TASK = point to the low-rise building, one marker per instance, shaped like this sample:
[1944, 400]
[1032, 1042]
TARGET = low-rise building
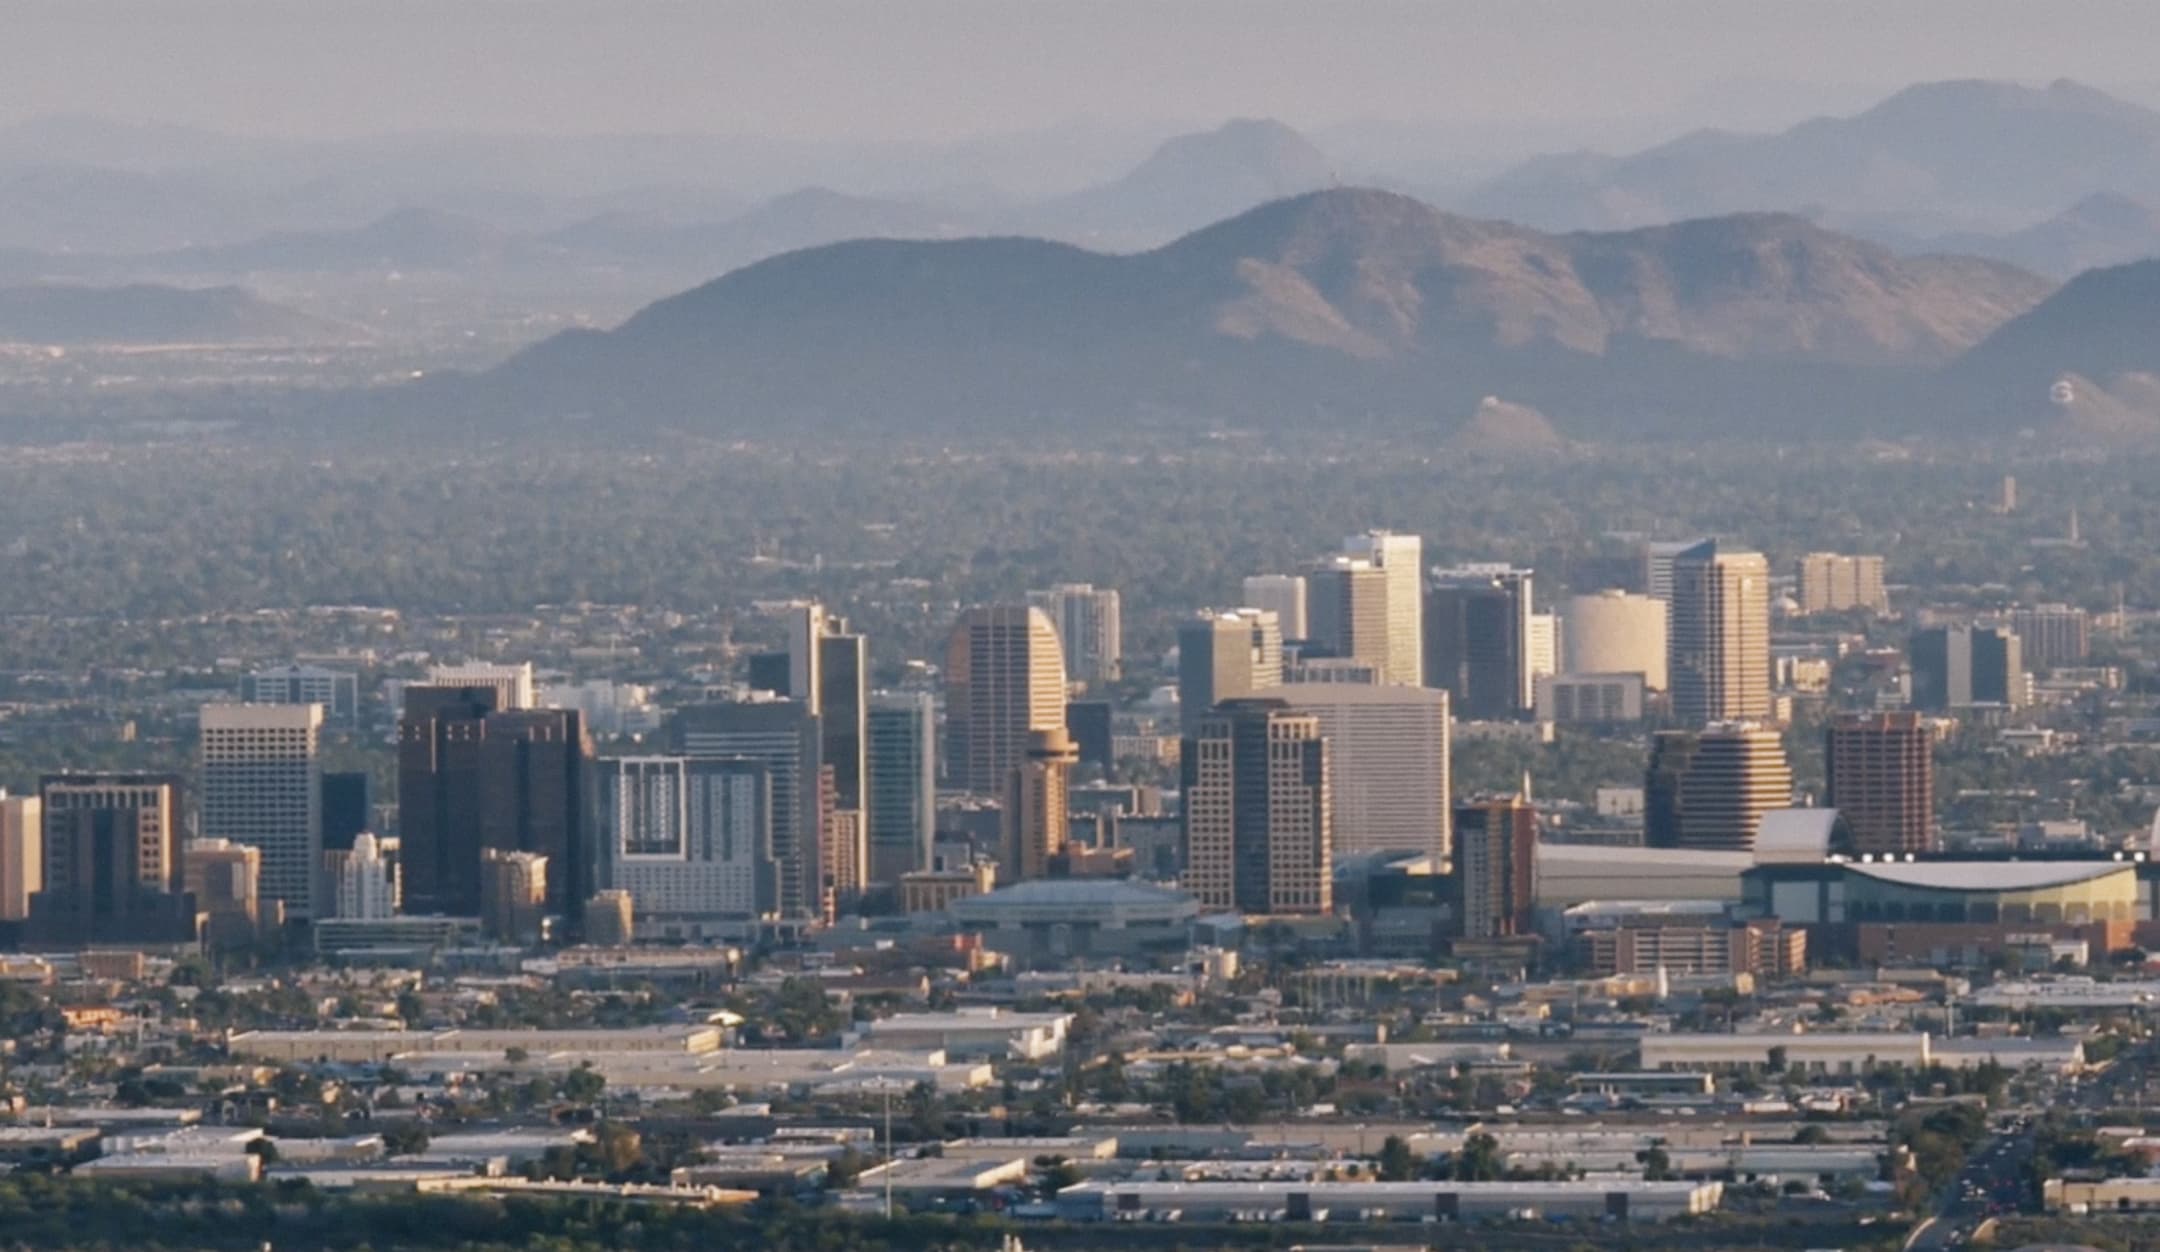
[1305, 1201]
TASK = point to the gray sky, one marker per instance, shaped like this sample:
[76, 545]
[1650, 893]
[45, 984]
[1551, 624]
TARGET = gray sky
[940, 69]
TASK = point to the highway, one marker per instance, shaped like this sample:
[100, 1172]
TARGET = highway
[1994, 1180]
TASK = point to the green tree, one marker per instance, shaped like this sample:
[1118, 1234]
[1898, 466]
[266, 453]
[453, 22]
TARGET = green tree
[1397, 1162]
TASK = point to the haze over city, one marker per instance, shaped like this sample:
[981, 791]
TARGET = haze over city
[954, 625]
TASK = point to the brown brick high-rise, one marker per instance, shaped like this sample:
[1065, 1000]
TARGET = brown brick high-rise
[1881, 776]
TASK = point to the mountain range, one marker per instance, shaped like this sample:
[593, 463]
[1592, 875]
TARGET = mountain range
[1973, 155]
[1340, 304]
[144, 314]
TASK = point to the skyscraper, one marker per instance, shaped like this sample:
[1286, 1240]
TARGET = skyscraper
[1881, 779]
[1720, 661]
[690, 839]
[1615, 632]
[1478, 640]
[1657, 565]
[262, 787]
[472, 777]
[1496, 867]
[1257, 810]
[1735, 773]
[22, 854]
[1401, 558]
[1961, 667]
[1004, 677]
[1347, 614]
[1284, 596]
[1833, 583]
[1544, 649]
[1089, 627]
[828, 671]
[1387, 764]
[346, 808]
[902, 783]
[1670, 753]
[1225, 656]
[785, 738]
[1037, 807]
[113, 863]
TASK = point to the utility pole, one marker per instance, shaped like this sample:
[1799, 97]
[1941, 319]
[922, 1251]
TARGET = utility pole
[887, 1085]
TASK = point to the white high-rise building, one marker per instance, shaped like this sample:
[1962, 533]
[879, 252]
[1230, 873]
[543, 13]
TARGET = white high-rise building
[262, 788]
[367, 879]
[1718, 647]
[1388, 757]
[512, 684]
[1284, 596]
[1401, 558]
[688, 838]
[1090, 629]
[1544, 646]
[337, 691]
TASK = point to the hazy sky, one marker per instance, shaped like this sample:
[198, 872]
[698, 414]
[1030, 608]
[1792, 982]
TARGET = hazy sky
[946, 68]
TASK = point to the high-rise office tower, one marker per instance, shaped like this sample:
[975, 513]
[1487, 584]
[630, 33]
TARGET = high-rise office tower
[347, 809]
[1346, 614]
[114, 867]
[1284, 596]
[1387, 764]
[785, 738]
[512, 684]
[1089, 627]
[1881, 778]
[224, 879]
[514, 895]
[471, 777]
[1004, 678]
[1961, 667]
[1257, 810]
[827, 669]
[1670, 753]
[1657, 565]
[1496, 867]
[1092, 724]
[337, 691]
[1478, 641]
[1720, 655]
[844, 722]
[1038, 807]
[1544, 646]
[807, 626]
[1225, 656]
[262, 787]
[902, 783]
[22, 854]
[2052, 635]
[1833, 583]
[689, 838]
[1615, 632]
[1735, 773]
[366, 878]
[1401, 558]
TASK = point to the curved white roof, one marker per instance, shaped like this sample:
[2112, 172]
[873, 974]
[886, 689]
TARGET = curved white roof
[1787, 835]
[1988, 875]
